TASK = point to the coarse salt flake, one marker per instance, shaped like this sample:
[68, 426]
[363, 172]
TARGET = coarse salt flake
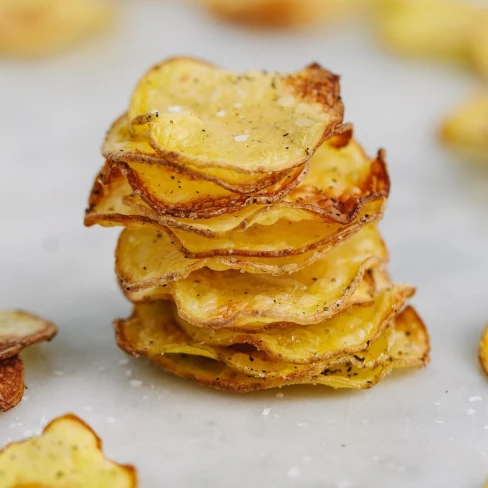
[221, 113]
[265, 412]
[241, 138]
[174, 109]
[470, 411]
[110, 420]
[135, 383]
[474, 398]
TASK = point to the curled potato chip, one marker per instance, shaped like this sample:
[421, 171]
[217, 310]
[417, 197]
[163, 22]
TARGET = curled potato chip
[11, 383]
[483, 351]
[121, 145]
[68, 454]
[428, 28]
[229, 298]
[256, 122]
[466, 130]
[21, 329]
[39, 27]
[282, 13]
[410, 349]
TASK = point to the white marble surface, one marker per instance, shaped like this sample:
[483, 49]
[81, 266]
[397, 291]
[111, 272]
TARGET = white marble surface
[416, 429]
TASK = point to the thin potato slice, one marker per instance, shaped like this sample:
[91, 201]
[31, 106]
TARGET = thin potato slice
[479, 45]
[428, 28]
[122, 146]
[466, 130]
[40, 27]
[155, 329]
[410, 349]
[229, 298]
[257, 122]
[68, 454]
[11, 383]
[21, 329]
[483, 351]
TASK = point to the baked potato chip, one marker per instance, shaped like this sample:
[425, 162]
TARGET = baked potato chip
[21, 329]
[11, 383]
[122, 146]
[466, 130]
[256, 122]
[283, 13]
[155, 329]
[479, 45]
[410, 349]
[68, 454]
[40, 27]
[483, 351]
[217, 299]
[428, 28]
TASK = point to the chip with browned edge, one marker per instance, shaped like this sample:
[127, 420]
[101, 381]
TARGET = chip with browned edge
[11, 382]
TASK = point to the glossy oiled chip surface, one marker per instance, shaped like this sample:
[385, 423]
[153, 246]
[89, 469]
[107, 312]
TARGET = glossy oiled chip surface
[466, 129]
[20, 329]
[11, 383]
[253, 122]
[67, 455]
[428, 28]
[410, 348]
[38, 27]
[319, 291]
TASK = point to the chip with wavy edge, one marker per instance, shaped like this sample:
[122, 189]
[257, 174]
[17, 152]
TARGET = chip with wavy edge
[410, 349]
[121, 145]
[155, 328]
[466, 129]
[11, 383]
[428, 28]
[210, 298]
[199, 115]
[20, 329]
[67, 454]
[40, 27]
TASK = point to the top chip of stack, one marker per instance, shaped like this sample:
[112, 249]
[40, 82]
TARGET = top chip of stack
[250, 251]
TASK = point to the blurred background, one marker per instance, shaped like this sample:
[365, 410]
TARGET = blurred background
[412, 76]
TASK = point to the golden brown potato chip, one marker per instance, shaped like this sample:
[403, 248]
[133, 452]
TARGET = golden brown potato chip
[68, 454]
[479, 45]
[21, 329]
[11, 383]
[483, 351]
[282, 13]
[216, 299]
[428, 28]
[122, 146]
[410, 349]
[39, 27]
[256, 122]
[466, 130]
[155, 329]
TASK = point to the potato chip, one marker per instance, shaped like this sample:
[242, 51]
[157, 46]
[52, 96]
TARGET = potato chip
[483, 351]
[283, 13]
[11, 383]
[216, 299]
[428, 28]
[466, 130]
[479, 45]
[40, 27]
[122, 146]
[21, 329]
[68, 454]
[256, 122]
[410, 349]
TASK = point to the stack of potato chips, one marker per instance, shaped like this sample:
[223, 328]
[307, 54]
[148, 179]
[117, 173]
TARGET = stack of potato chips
[250, 250]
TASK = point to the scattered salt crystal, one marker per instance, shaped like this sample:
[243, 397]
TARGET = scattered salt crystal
[276, 416]
[485, 427]
[475, 398]
[437, 404]
[88, 409]
[58, 373]
[26, 398]
[110, 420]
[292, 338]
[12, 426]
[128, 372]
[43, 421]
[28, 433]
[280, 395]
[124, 362]
[440, 421]
[135, 383]
[293, 472]
[307, 459]
[302, 424]
[174, 109]
[265, 412]
[241, 138]
[221, 113]
[470, 411]
[238, 105]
